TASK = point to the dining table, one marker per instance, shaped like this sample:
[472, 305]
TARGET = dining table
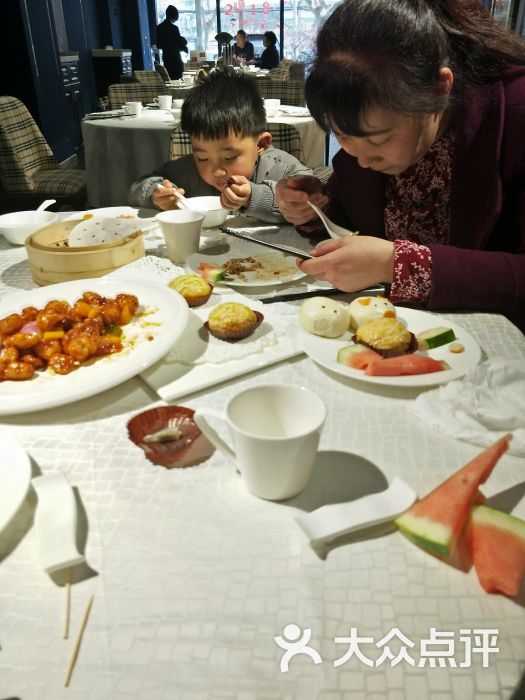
[120, 149]
[203, 591]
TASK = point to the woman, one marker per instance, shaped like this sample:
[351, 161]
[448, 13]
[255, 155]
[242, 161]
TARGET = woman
[172, 43]
[270, 55]
[427, 100]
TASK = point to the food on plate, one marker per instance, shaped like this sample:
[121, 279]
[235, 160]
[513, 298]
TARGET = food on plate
[169, 437]
[211, 272]
[456, 348]
[60, 337]
[164, 435]
[387, 336]
[375, 365]
[324, 317]
[436, 521]
[435, 337]
[497, 546]
[367, 308]
[233, 321]
[403, 365]
[195, 290]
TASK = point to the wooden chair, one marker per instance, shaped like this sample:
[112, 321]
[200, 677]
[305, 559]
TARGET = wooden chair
[284, 137]
[120, 93]
[29, 172]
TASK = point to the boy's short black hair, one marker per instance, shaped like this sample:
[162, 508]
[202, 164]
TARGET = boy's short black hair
[241, 32]
[225, 100]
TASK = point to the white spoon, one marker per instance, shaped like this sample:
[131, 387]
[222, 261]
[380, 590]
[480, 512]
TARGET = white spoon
[46, 203]
[334, 230]
[183, 202]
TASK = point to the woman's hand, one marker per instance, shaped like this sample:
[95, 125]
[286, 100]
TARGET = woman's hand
[293, 195]
[352, 263]
[237, 194]
[164, 196]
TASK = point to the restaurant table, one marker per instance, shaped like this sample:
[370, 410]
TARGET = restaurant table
[119, 150]
[193, 577]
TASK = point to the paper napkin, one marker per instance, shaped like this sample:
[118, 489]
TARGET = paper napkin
[487, 403]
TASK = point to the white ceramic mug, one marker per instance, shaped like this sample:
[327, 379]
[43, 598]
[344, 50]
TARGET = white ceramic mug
[181, 229]
[177, 104]
[163, 101]
[272, 106]
[133, 109]
[275, 430]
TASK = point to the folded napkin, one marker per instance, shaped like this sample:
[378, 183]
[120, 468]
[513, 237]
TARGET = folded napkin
[487, 403]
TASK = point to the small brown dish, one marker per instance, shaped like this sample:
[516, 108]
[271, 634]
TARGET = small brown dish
[232, 336]
[169, 437]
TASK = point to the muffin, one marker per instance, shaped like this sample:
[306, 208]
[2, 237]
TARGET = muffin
[387, 336]
[195, 290]
[365, 309]
[233, 321]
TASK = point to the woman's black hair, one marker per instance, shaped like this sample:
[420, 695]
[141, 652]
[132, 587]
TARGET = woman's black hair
[270, 36]
[225, 100]
[389, 53]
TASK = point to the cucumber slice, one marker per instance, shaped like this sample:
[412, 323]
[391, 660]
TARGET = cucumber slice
[434, 337]
[344, 353]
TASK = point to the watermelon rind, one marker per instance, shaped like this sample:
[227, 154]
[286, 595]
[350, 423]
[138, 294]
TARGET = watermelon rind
[426, 533]
[496, 518]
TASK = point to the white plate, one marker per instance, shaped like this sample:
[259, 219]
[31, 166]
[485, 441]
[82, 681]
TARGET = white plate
[150, 338]
[324, 351]
[172, 379]
[294, 111]
[15, 477]
[278, 268]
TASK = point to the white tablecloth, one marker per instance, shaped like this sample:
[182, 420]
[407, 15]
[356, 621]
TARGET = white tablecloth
[120, 150]
[193, 577]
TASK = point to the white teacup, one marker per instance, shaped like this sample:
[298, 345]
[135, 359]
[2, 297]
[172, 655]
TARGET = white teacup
[177, 104]
[272, 106]
[163, 101]
[181, 229]
[275, 430]
[133, 109]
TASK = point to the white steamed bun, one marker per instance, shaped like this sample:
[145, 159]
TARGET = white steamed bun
[325, 317]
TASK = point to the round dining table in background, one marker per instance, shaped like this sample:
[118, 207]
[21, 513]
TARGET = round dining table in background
[119, 150]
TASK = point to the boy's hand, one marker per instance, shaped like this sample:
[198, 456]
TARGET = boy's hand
[237, 193]
[164, 195]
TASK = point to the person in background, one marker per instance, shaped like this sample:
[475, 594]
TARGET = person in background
[225, 119]
[270, 55]
[243, 51]
[172, 43]
[427, 101]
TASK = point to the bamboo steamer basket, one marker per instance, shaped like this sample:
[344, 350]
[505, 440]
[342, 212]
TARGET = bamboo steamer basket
[52, 261]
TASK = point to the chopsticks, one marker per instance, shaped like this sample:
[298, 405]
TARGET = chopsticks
[183, 202]
[78, 641]
[275, 246]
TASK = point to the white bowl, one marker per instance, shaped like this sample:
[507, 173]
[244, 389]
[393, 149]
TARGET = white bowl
[214, 214]
[18, 225]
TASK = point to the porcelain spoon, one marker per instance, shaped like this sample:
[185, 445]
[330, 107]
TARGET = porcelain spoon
[334, 230]
[45, 204]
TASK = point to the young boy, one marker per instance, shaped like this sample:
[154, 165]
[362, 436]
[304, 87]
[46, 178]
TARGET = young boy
[232, 153]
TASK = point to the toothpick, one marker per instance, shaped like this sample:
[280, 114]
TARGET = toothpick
[67, 603]
[78, 641]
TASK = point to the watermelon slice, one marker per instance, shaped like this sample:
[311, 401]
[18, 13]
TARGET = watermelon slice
[404, 365]
[497, 544]
[436, 521]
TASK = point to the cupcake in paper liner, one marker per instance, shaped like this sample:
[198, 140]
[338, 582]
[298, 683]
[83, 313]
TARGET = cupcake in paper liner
[233, 321]
[169, 437]
[195, 290]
